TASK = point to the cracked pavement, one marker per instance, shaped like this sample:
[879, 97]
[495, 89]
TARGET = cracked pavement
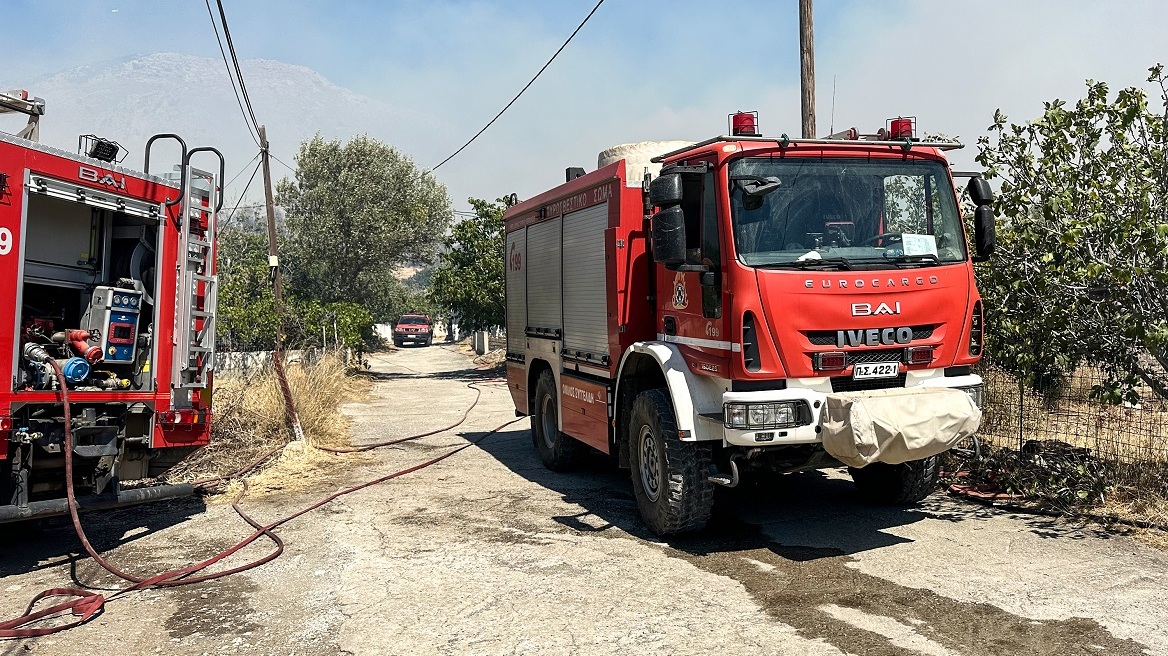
[487, 552]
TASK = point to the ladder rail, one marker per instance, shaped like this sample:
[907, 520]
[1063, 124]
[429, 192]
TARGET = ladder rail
[195, 322]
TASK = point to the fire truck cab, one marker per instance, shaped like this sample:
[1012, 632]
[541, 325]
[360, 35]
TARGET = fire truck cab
[761, 305]
[108, 282]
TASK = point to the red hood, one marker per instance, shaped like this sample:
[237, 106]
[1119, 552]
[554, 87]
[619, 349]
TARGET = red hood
[805, 309]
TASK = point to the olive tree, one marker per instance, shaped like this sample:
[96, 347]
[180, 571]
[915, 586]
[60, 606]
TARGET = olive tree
[469, 277]
[1080, 275]
[356, 212]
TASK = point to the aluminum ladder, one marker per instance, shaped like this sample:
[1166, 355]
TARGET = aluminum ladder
[198, 285]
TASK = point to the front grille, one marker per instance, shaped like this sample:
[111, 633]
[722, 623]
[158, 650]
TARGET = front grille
[827, 337]
[882, 355]
[848, 384]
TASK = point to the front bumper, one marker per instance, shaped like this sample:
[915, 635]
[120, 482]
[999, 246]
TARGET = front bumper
[411, 337]
[812, 392]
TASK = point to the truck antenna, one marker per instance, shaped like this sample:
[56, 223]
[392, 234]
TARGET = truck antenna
[831, 127]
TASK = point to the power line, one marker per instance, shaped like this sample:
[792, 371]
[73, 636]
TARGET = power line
[235, 61]
[508, 106]
[214, 26]
[241, 171]
[282, 162]
[235, 209]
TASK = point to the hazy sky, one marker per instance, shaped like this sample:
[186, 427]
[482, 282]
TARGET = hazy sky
[641, 69]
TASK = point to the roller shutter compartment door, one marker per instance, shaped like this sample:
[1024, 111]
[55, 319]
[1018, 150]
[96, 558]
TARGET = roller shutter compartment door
[585, 284]
[543, 277]
[516, 258]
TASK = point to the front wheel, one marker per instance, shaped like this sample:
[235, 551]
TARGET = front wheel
[900, 485]
[558, 451]
[670, 477]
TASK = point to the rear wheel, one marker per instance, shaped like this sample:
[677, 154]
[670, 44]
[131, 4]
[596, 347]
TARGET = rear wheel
[670, 477]
[557, 451]
[900, 485]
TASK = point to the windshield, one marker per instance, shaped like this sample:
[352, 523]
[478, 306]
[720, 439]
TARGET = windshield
[413, 320]
[840, 212]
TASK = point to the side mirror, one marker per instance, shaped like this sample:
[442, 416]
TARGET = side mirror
[980, 191]
[666, 190]
[668, 227]
[984, 235]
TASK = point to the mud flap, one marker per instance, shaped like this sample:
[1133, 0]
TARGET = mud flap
[896, 425]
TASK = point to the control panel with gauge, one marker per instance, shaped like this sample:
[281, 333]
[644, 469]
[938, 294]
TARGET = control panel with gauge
[114, 312]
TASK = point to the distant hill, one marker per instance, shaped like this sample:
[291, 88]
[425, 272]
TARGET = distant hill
[130, 100]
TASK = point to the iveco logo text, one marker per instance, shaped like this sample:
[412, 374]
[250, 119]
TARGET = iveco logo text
[865, 309]
[875, 283]
[93, 175]
[873, 337]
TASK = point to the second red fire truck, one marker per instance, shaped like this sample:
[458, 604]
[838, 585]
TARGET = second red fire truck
[107, 296]
[762, 305]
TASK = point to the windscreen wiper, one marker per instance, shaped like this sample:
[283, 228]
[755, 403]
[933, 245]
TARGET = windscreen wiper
[924, 259]
[810, 263]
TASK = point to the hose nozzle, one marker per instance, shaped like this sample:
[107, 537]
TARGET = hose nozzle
[36, 353]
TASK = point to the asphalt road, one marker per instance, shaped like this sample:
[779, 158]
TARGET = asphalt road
[489, 553]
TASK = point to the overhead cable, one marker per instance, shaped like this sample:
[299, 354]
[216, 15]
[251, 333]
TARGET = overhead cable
[231, 76]
[235, 63]
[529, 83]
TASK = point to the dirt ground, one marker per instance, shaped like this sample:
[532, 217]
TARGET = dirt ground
[489, 553]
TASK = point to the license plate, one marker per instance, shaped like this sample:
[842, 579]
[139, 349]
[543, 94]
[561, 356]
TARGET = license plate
[869, 370]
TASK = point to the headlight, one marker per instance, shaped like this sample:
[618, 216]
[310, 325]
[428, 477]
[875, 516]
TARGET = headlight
[783, 414]
[975, 393]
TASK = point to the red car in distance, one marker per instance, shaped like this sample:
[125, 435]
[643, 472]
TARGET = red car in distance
[415, 328]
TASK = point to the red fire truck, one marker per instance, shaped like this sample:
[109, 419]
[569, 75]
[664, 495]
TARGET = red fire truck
[762, 305]
[108, 282]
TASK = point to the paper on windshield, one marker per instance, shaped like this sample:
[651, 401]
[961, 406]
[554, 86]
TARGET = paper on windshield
[919, 244]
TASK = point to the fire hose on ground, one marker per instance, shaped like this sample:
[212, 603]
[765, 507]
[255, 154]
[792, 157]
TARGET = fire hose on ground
[86, 604]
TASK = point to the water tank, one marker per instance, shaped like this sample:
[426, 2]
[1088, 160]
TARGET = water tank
[637, 156]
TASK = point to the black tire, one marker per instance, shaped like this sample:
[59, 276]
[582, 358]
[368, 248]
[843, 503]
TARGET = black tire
[900, 485]
[674, 494]
[558, 451]
[397, 343]
[429, 340]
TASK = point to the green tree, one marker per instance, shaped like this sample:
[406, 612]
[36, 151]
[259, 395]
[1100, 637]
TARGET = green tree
[247, 315]
[1081, 270]
[469, 278]
[356, 212]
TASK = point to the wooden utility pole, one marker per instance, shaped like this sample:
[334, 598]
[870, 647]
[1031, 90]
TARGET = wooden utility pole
[277, 290]
[807, 68]
[273, 250]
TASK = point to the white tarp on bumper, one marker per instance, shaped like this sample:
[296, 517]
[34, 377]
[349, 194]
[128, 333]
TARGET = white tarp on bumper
[896, 425]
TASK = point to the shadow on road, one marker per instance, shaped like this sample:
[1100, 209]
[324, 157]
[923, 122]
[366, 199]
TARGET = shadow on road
[800, 509]
[791, 543]
[31, 546]
[799, 516]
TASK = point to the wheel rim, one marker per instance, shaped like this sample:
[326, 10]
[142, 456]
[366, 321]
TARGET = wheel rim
[650, 464]
[549, 423]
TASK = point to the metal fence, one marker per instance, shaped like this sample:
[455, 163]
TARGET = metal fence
[1066, 411]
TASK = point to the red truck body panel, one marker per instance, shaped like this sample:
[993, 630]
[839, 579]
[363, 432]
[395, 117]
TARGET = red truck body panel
[39, 180]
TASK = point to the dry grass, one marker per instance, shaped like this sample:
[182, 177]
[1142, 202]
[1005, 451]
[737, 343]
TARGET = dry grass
[249, 421]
